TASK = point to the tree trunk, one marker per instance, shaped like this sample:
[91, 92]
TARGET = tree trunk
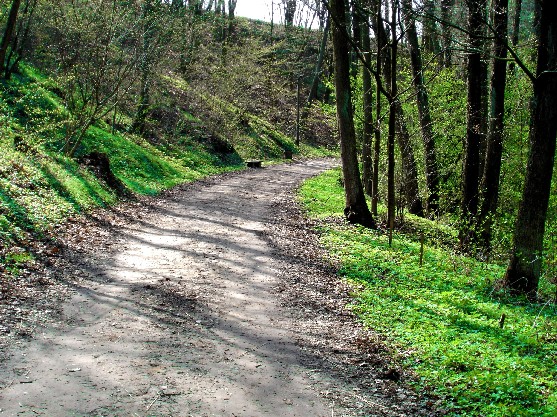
[430, 40]
[138, 125]
[357, 36]
[367, 161]
[8, 33]
[492, 170]
[356, 210]
[446, 32]
[391, 203]
[231, 16]
[317, 73]
[470, 178]
[409, 168]
[422, 98]
[381, 42]
[399, 129]
[19, 39]
[515, 30]
[289, 12]
[524, 268]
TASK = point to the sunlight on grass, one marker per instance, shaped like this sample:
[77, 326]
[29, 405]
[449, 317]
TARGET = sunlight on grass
[445, 316]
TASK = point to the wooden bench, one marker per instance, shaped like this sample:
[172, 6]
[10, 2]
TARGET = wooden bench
[253, 163]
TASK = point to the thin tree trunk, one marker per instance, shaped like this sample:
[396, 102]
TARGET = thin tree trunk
[446, 32]
[138, 125]
[317, 72]
[391, 203]
[430, 39]
[356, 210]
[8, 32]
[470, 178]
[422, 98]
[19, 39]
[367, 160]
[515, 30]
[289, 12]
[381, 42]
[231, 15]
[409, 168]
[357, 36]
[524, 269]
[492, 170]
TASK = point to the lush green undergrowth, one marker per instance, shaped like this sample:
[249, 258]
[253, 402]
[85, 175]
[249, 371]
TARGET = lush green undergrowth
[446, 315]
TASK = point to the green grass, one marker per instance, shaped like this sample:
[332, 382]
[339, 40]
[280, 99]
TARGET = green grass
[444, 316]
[40, 187]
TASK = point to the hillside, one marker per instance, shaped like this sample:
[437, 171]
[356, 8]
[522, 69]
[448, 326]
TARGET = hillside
[206, 123]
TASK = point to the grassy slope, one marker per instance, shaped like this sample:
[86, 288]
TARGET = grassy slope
[39, 186]
[444, 316]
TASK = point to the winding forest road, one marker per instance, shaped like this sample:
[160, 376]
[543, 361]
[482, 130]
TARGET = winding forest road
[176, 312]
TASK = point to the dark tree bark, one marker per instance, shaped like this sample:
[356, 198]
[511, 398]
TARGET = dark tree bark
[492, 170]
[356, 209]
[19, 39]
[391, 203]
[409, 168]
[319, 65]
[430, 39]
[422, 98]
[369, 128]
[381, 42]
[470, 177]
[289, 12]
[515, 29]
[446, 32]
[8, 32]
[356, 34]
[232, 8]
[397, 126]
[525, 265]
[138, 125]
[231, 16]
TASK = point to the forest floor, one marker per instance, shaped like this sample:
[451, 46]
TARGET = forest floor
[213, 299]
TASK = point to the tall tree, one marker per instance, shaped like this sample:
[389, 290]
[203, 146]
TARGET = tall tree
[525, 265]
[430, 39]
[391, 204]
[356, 209]
[289, 12]
[492, 166]
[231, 15]
[398, 123]
[470, 177]
[8, 32]
[319, 65]
[145, 66]
[515, 29]
[446, 32]
[422, 98]
[367, 139]
[380, 40]
[19, 38]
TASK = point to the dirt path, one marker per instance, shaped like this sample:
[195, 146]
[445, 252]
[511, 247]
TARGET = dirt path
[178, 314]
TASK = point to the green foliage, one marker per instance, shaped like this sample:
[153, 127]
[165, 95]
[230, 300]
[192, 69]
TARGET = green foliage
[445, 315]
[39, 187]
